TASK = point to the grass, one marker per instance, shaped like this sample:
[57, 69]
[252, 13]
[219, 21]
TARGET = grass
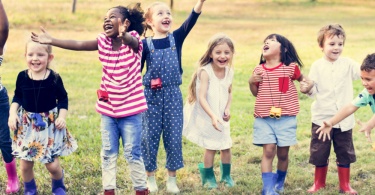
[248, 23]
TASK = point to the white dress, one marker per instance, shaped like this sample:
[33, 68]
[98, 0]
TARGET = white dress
[198, 125]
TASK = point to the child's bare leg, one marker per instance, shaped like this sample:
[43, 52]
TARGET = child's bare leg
[27, 171]
[209, 156]
[55, 169]
[283, 158]
[269, 152]
[226, 156]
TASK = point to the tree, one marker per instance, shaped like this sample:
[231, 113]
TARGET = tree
[74, 6]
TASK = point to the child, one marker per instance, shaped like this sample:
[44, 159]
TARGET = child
[37, 117]
[162, 53]
[276, 107]
[5, 141]
[120, 97]
[207, 112]
[366, 97]
[332, 76]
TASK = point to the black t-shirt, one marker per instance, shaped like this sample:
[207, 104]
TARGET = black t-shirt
[40, 95]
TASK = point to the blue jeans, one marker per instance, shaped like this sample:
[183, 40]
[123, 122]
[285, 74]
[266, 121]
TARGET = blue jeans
[129, 129]
[5, 141]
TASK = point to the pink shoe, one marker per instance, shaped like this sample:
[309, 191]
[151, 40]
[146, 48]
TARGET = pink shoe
[13, 183]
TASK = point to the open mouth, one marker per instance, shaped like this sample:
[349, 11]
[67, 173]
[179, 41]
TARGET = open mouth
[266, 47]
[108, 27]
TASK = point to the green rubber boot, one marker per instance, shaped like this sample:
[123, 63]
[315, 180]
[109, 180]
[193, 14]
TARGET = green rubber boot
[225, 175]
[207, 176]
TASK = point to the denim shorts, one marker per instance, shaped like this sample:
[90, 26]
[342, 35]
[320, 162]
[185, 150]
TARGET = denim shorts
[281, 132]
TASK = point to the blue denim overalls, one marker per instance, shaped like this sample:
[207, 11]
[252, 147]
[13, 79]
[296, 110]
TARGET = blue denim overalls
[5, 140]
[164, 114]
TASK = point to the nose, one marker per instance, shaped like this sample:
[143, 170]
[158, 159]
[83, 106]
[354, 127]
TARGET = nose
[364, 83]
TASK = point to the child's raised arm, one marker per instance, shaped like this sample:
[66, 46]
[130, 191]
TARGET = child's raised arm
[198, 6]
[324, 131]
[45, 38]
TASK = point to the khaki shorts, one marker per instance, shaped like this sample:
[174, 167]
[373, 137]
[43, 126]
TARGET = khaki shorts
[342, 145]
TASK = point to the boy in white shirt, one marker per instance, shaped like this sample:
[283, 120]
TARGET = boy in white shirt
[333, 89]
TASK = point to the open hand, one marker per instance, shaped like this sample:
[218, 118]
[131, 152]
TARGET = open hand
[216, 122]
[365, 128]
[43, 38]
[122, 27]
[324, 131]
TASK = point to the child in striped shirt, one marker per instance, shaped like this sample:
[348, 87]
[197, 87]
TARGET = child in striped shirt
[276, 107]
[120, 96]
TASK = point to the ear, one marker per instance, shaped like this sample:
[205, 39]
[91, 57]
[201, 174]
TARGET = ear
[50, 57]
[127, 22]
[149, 22]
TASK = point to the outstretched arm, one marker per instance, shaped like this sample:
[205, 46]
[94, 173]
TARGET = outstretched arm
[367, 127]
[45, 38]
[324, 131]
[4, 28]
[198, 6]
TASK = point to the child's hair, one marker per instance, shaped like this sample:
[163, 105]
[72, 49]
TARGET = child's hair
[368, 63]
[48, 47]
[288, 53]
[134, 14]
[216, 40]
[330, 30]
[149, 12]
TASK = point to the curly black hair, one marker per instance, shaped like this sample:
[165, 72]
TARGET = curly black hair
[134, 13]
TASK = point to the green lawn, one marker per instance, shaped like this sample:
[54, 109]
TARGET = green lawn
[248, 22]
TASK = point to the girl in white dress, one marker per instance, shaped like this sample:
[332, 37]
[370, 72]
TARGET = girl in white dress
[207, 111]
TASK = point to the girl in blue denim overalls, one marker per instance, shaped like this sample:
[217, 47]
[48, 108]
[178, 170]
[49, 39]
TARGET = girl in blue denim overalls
[162, 53]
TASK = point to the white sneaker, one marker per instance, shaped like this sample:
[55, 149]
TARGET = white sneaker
[151, 184]
[172, 186]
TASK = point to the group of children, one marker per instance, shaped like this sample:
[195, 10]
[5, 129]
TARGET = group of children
[139, 110]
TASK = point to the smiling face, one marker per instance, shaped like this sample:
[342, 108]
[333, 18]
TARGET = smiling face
[271, 48]
[221, 55]
[37, 57]
[368, 80]
[111, 24]
[332, 47]
[160, 20]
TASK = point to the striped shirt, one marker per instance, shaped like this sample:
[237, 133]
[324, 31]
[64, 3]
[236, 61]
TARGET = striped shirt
[277, 89]
[121, 78]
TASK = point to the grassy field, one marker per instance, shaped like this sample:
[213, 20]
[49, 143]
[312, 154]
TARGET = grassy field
[248, 22]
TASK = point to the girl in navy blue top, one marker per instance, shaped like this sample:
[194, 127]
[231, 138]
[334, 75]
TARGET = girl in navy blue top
[162, 54]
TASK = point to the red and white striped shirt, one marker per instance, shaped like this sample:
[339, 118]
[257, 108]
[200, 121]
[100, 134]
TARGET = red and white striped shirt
[277, 89]
[121, 78]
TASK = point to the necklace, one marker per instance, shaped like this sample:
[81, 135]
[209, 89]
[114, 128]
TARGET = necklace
[36, 96]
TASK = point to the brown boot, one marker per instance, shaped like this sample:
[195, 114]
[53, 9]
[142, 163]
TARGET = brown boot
[109, 192]
[142, 192]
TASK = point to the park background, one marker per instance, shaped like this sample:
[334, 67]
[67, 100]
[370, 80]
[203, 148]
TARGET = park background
[247, 22]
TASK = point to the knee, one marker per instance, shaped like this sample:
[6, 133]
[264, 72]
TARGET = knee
[53, 168]
[131, 152]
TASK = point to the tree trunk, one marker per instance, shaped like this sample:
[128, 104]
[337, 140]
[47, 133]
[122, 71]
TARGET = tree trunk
[74, 6]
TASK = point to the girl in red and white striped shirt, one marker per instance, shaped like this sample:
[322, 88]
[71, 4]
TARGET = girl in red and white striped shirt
[120, 96]
[276, 107]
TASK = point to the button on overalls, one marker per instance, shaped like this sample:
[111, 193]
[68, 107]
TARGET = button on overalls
[165, 104]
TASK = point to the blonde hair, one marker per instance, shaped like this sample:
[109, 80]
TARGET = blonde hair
[215, 40]
[149, 11]
[330, 30]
